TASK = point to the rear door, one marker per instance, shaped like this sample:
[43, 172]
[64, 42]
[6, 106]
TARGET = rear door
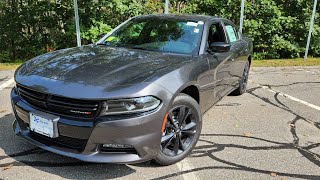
[236, 59]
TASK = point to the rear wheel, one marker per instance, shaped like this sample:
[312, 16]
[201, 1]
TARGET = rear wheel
[181, 132]
[243, 81]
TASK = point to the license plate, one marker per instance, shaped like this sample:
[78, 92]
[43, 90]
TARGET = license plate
[45, 124]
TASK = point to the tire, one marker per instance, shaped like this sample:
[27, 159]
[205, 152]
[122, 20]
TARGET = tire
[184, 109]
[243, 81]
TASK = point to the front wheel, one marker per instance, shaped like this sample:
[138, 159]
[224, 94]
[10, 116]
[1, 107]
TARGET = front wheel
[243, 81]
[182, 130]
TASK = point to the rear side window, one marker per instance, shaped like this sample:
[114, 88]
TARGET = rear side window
[231, 33]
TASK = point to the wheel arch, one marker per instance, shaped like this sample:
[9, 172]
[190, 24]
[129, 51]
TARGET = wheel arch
[192, 89]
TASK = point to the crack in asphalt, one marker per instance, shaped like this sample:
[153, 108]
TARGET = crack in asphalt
[285, 85]
[229, 104]
[2, 79]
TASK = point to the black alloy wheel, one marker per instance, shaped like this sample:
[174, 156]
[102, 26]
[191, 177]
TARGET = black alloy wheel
[181, 132]
[243, 81]
[245, 77]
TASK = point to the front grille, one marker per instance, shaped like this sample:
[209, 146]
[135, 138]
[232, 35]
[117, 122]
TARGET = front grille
[59, 105]
[117, 150]
[61, 141]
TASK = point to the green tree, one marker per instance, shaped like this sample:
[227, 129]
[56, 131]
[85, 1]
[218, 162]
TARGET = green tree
[279, 28]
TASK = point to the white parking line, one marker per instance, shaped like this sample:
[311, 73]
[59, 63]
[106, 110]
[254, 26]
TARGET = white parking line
[184, 165]
[289, 97]
[6, 84]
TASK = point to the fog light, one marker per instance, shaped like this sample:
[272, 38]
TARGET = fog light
[116, 146]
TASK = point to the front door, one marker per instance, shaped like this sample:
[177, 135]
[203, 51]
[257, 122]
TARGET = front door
[219, 62]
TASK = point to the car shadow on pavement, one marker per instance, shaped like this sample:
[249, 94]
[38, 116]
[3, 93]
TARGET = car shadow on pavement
[209, 150]
[211, 147]
[25, 154]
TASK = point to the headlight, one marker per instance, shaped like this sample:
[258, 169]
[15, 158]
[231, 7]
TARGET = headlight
[134, 105]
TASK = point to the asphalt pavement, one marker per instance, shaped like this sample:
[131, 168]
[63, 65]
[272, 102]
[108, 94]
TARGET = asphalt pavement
[270, 132]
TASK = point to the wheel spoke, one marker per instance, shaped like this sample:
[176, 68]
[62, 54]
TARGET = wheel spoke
[176, 145]
[189, 112]
[167, 151]
[167, 137]
[182, 113]
[182, 145]
[172, 120]
[189, 132]
[166, 140]
[189, 126]
[165, 145]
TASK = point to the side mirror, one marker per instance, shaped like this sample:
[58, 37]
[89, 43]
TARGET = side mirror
[219, 47]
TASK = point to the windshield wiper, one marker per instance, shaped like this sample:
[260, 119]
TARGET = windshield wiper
[99, 44]
[140, 48]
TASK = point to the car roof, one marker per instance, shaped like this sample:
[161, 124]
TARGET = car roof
[190, 17]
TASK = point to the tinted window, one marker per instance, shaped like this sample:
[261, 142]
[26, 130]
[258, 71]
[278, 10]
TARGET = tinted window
[216, 33]
[231, 33]
[155, 34]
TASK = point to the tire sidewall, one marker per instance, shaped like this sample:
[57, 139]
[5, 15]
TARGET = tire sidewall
[243, 89]
[240, 90]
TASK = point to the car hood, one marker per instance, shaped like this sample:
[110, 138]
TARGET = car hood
[96, 66]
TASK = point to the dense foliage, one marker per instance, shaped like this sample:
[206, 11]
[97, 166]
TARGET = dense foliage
[279, 28]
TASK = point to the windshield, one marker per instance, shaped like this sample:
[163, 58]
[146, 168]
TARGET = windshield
[156, 34]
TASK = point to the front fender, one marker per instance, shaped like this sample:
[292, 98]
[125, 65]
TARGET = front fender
[176, 81]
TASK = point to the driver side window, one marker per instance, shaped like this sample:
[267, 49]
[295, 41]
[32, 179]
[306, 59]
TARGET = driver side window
[216, 33]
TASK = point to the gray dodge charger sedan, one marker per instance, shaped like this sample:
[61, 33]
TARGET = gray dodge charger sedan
[138, 94]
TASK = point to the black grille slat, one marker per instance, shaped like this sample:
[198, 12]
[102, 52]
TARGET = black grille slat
[33, 101]
[75, 101]
[72, 108]
[60, 105]
[117, 150]
[61, 141]
[38, 96]
[52, 101]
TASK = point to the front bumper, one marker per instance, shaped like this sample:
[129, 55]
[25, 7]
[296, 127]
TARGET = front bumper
[82, 139]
